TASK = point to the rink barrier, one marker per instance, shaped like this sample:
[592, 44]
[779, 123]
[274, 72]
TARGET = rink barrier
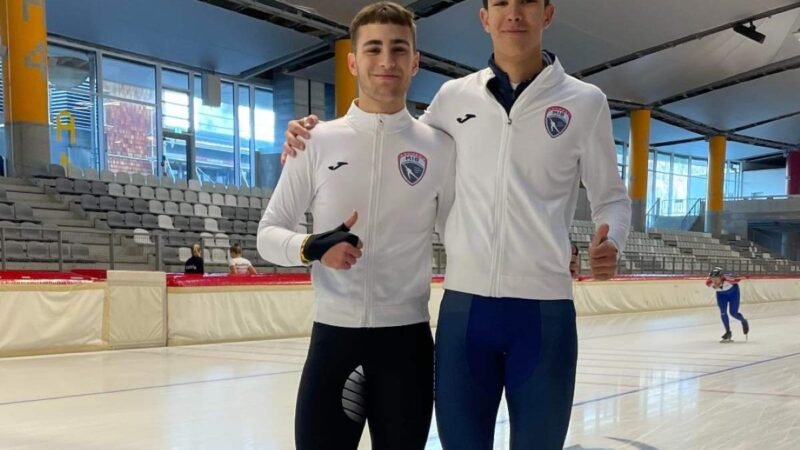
[48, 312]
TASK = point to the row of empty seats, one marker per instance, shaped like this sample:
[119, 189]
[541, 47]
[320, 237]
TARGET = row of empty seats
[136, 179]
[18, 212]
[42, 251]
[130, 220]
[125, 204]
[27, 231]
[98, 188]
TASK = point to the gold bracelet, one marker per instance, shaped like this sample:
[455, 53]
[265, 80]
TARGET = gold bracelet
[303, 258]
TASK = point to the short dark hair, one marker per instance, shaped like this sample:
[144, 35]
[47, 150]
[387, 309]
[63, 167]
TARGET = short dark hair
[486, 3]
[384, 13]
[236, 249]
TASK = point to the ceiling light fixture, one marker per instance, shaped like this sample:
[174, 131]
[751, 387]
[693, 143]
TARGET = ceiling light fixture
[749, 31]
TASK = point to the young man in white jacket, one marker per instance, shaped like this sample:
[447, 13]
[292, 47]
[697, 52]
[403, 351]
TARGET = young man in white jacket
[371, 353]
[526, 134]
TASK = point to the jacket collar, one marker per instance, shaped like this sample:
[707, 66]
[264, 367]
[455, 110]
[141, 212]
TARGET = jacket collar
[365, 121]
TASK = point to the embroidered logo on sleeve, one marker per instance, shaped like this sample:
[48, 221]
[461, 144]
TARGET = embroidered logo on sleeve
[556, 120]
[412, 166]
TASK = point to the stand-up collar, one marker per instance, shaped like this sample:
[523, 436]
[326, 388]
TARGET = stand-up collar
[365, 121]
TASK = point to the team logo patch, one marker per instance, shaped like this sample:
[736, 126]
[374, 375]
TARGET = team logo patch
[556, 120]
[412, 166]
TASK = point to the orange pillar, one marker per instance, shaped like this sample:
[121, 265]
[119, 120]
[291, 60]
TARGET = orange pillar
[345, 83]
[716, 184]
[639, 150]
[24, 32]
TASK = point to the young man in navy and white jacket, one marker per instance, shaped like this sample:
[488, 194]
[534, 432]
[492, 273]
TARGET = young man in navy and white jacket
[371, 354]
[526, 135]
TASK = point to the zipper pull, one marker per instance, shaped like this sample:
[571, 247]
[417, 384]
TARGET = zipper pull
[509, 121]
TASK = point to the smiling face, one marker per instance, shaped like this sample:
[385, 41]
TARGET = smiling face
[384, 60]
[516, 26]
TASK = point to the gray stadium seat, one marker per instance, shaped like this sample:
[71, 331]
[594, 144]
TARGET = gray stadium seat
[186, 209]
[107, 176]
[226, 226]
[56, 170]
[141, 206]
[228, 212]
[214, 211]
[6, 212]
[252, 227]
[49, 234]
[38, 251]
[219, 256]
[23, 211]
[147, 193]
[115, 219]
[181, 223]
[184, 253]
[90, 174]
[218, 188]
[242, 201]
[230, 200]
[165, 222]
[151, 180]
[138, 179]
[205, 198]
[64, 254]
[64, 186]
[254, 214]
[90, 203]
[116, 190]
[195, 185]
[15, 250]
[211, 225]
[222, 240]
[156, 207]
[256, 192]
[171, 208]
[123, 178]
[217, 199]
[132, 191]
[170, 255]
[124, 205]
[242, 214]
[80, 252]
[200, 210]
[191, 197]
[235, 190]
[182, 184]
[11, 229]
[162, 194]
[133, 220]
[175, 238]
[197, 224]
[82, 187]
[30, 231]
[99, 188]
[150, 222]
[167, 182]
[239, 227]
[141, 236]
[108, 203]
[176, 195]
[256, 202]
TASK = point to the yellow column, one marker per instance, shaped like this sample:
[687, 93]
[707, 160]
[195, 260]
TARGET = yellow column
[24, 32]
[345, 83]
[716, 183]
[639, 155]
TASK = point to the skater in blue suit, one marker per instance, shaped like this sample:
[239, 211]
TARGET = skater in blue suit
[727, 299]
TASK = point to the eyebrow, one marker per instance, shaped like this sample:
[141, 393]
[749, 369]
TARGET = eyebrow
[393, 42]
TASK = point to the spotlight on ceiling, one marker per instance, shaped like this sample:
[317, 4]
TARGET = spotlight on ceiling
[749, 31]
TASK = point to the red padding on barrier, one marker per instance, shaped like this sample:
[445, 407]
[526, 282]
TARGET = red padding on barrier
[224, 279]
[11, 275]
[98, 274]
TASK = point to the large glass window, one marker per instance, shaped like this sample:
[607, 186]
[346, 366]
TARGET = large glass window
[214, 136]
[175, 101]
[72, 86]
[129, 116]
[264, 121]
[245, 136]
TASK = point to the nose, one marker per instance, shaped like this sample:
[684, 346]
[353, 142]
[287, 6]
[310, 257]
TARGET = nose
[515, 12]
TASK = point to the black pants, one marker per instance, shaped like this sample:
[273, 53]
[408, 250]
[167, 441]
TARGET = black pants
[383, 376]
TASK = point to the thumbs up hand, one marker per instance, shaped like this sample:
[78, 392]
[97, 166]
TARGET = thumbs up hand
[603, 255]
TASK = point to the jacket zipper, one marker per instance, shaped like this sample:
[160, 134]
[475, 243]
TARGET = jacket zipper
[377, 160]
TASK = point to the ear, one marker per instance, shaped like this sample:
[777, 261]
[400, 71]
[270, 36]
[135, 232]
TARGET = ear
[415, 67]
[549, 13]
[484, 16]
[351, 64]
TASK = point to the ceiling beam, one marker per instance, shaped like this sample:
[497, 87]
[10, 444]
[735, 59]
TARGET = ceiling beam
[427, 8]
[302, 58]
[683, 40]
[764, 71]
[765, 121]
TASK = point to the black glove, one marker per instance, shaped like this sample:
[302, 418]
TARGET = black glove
[318, 244]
